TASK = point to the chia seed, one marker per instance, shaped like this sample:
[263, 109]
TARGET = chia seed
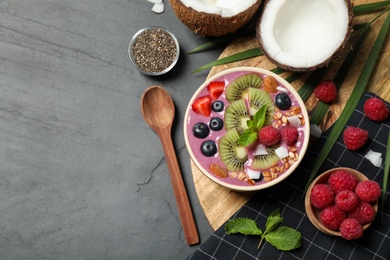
[154, 50]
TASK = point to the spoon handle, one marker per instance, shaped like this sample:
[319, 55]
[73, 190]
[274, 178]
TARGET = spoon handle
[183, 204]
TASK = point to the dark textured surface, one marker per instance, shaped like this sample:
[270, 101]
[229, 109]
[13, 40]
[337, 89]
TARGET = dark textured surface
[82, 176]
[373, 245]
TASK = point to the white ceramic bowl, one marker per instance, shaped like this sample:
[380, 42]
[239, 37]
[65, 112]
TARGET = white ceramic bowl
[240, 180]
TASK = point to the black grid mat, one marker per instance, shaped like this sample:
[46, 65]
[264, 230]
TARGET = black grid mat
[288, 197]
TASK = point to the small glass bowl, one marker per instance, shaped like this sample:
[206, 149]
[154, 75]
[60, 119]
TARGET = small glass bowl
[132, 58]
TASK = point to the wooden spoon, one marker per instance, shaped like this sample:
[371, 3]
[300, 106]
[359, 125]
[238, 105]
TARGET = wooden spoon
[158, 111]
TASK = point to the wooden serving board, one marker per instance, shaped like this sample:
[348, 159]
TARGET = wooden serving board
[220, 203]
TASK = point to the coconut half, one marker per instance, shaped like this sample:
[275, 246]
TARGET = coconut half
[303, 35]
[214, 17]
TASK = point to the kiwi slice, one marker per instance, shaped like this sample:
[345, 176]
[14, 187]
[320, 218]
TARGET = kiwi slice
[258, 98]
[236, 115]
[239, 85]
[231, 153]
[265, 161]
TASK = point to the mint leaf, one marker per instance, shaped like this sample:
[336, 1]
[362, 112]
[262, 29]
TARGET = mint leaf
[284, 238]
[250, 135]
[244, 226]
[259, 118]
[247, 137]
[273, 220]
[249, 123]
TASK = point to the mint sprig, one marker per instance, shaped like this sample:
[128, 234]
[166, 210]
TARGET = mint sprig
[281, 237]
[249, 135]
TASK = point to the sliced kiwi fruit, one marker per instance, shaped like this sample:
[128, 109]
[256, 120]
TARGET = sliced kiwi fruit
[258, 98]
[239, 85]
[236, 116]
[265, 161]
[231, 153]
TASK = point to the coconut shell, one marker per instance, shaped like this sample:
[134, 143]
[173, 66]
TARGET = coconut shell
[206, 24]
[336, 54]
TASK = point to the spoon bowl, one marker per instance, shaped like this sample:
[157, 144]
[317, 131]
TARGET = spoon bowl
[158, 111]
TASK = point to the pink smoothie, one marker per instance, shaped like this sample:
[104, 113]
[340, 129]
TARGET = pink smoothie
[195, 143]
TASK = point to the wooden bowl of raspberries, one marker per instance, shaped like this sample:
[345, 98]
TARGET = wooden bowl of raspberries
[342, 202]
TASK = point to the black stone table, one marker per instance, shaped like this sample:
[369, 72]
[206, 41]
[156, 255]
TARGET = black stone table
[82, 176]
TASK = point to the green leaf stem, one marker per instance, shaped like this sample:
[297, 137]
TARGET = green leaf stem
[352, 101]
[222, 40]
[251, 53]
[369, 8]
[322, 108]
[277, 70]
[386, 170]
[307, 88]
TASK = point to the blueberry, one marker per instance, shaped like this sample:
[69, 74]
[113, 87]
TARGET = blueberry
[282, 101]
[217, 106]
[216, 123]
[208, 148]
[200, 130]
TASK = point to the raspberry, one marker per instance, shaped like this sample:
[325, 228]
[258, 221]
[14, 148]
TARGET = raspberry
[350, 229]
[376, 109]
[289, 134]
[332, 217]
[354, 137]
[368, 190]
[342, 180]
[269, 136]
[363, 212]
[321, 196]
[346, 200]
[326, 91]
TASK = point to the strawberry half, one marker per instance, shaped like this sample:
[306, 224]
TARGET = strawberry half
[202, 105]
[216, 88]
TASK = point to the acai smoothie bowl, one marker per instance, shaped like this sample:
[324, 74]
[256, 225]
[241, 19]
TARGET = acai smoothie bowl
[246, 128]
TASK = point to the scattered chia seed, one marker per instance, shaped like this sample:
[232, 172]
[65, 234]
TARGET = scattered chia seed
[154, 50]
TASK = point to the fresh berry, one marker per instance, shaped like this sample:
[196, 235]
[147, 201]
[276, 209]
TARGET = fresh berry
[216, 123]
[289, 134]
[215, 89]
[368, 190]
[376, 109]
[363, 212]
[342, 180]
[326, 91]
[217, 106]
[200, 130]
[269, 136]
[208, 148]
[351, 229]
[332, 217]
[354, 137]
[321, 196]
[202, 105]
[346, 200]
[282, 101]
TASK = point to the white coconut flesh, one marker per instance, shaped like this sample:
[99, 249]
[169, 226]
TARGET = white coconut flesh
[303, 33]
[224, 8]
